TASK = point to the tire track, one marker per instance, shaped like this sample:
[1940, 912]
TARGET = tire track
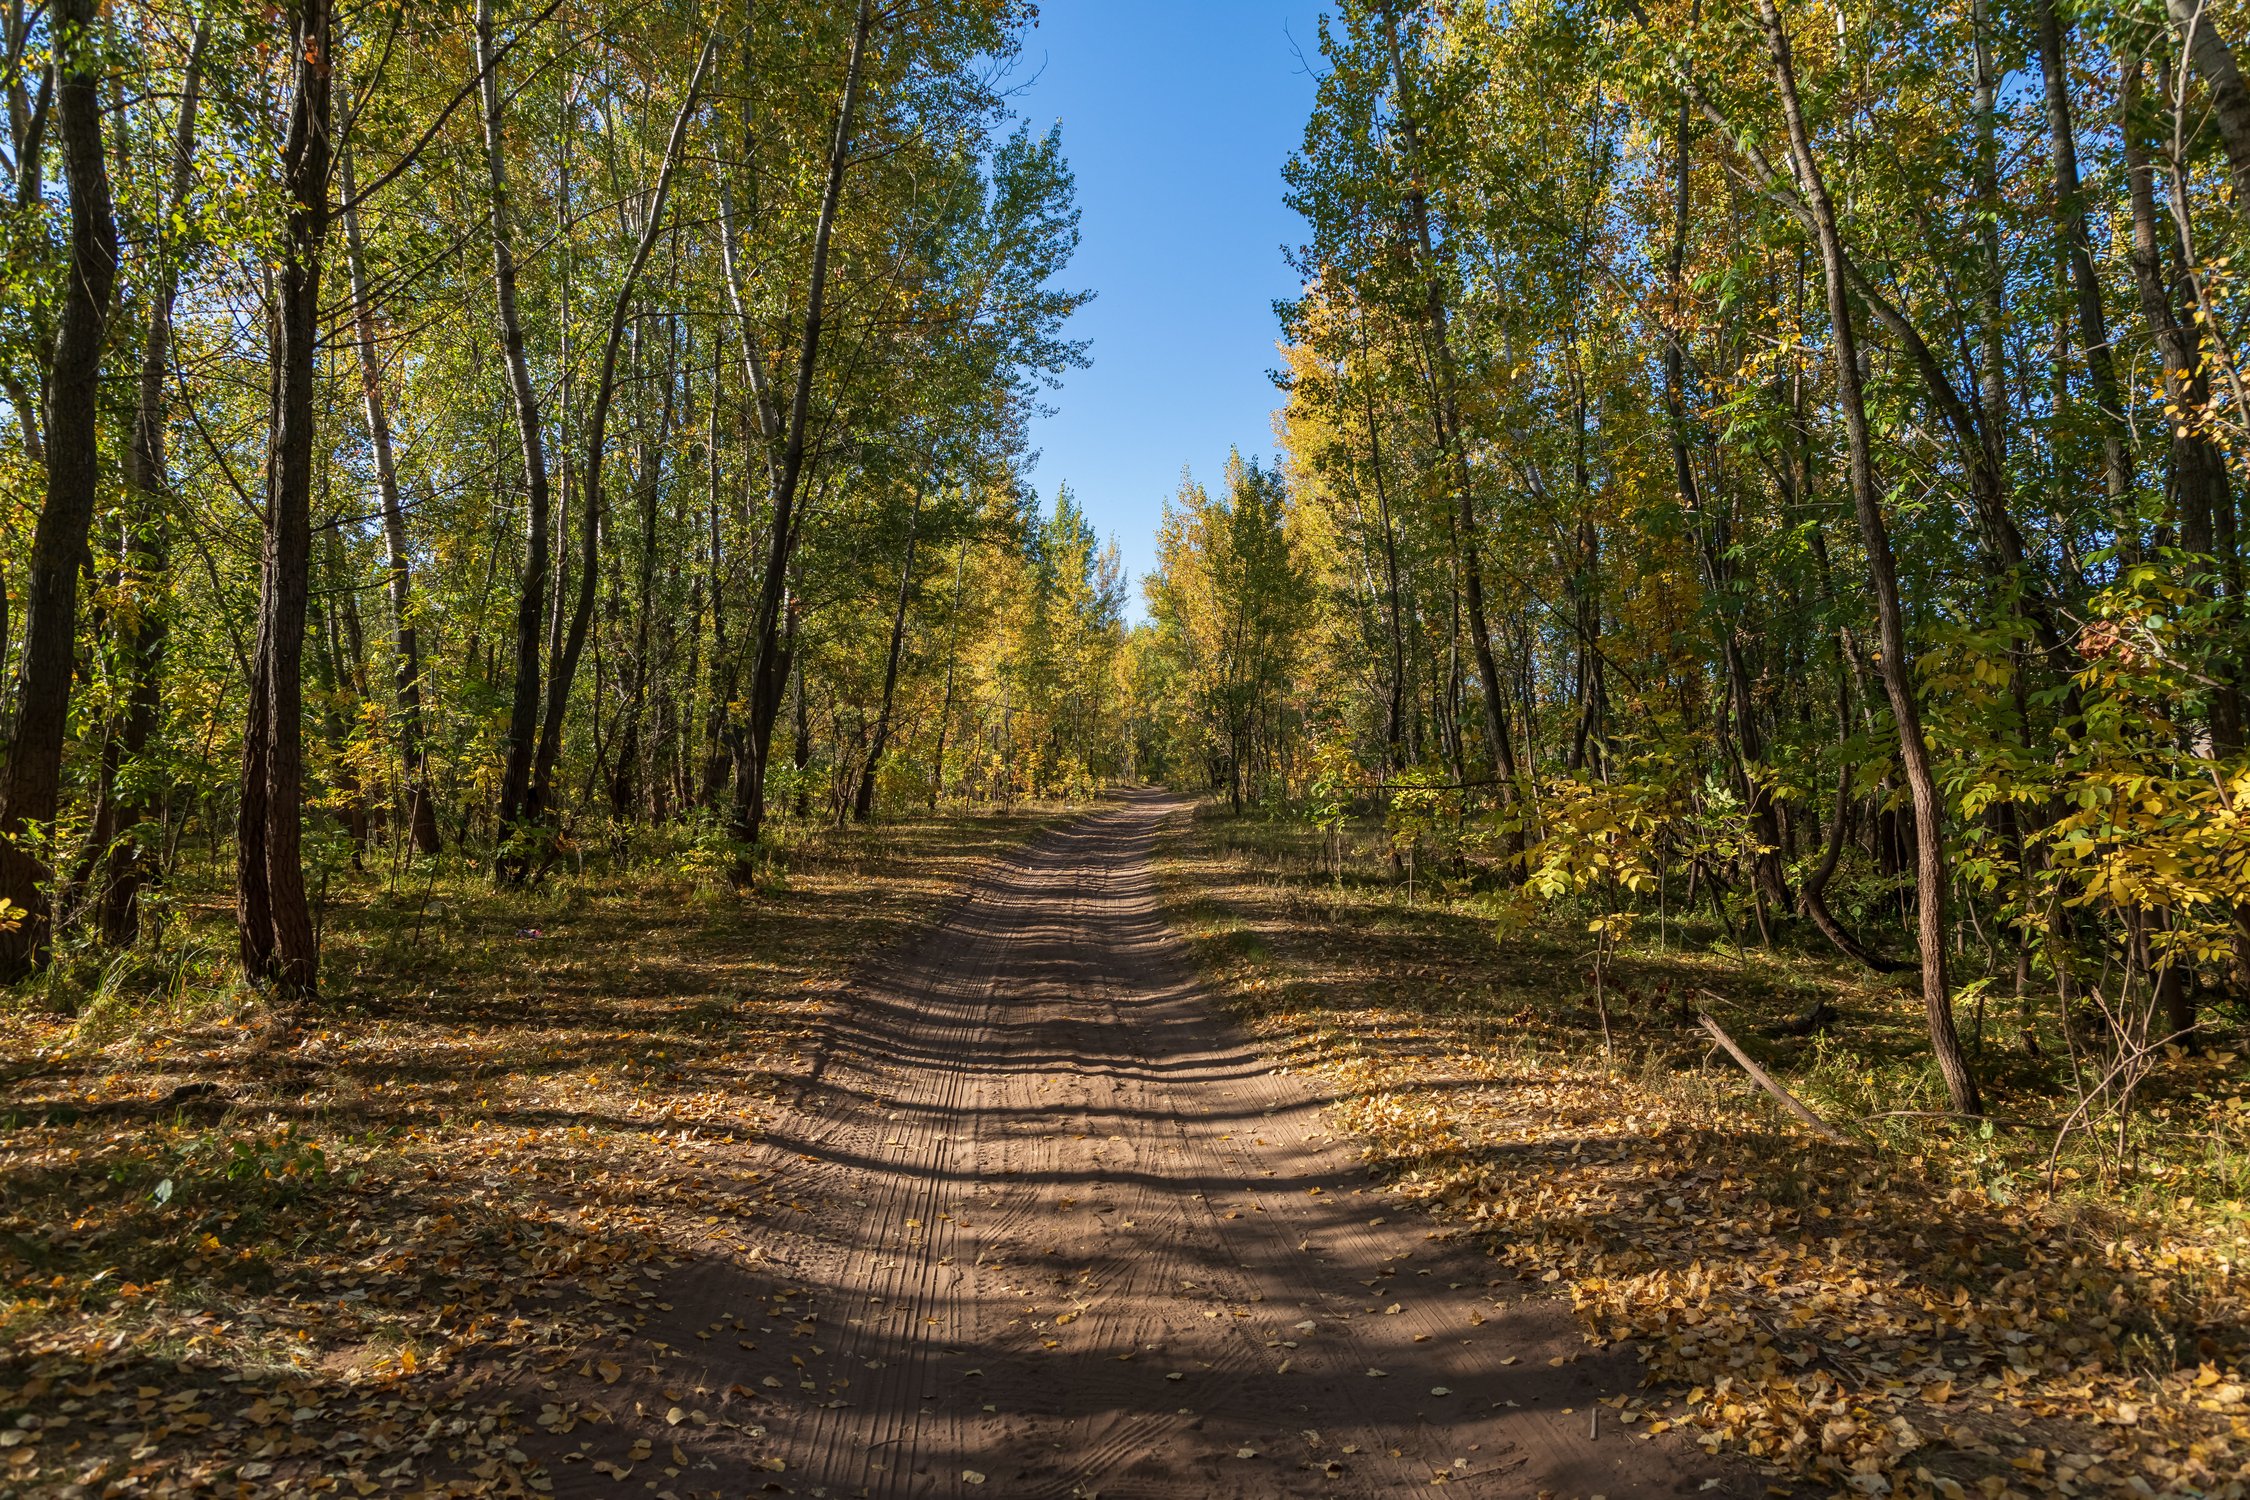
[1071, 1236]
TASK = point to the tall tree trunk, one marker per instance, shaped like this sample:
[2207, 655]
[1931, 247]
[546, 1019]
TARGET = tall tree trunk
[725, 663]
[540, 801]
[2086, 291]
[133, 863]
[627, 780]
[1898, 675]
[793, 673]
[2001, 541]
[1586, 739]
[768, 674]
[2213, 61]
[1714, 553]
[677, 688]
[272, 918]
[339, 695]
[531, 592]
[863, 804]
[1445, 412]
[1393, 728]
[1992, 285]
[33, 786]
[421, 811]
[1851, 687]
[952, 660]
[2200, 483]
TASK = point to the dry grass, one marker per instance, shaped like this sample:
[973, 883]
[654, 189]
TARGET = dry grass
[1913, 1314]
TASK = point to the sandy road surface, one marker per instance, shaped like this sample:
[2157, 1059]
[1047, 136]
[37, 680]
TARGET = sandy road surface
[1064, 1233]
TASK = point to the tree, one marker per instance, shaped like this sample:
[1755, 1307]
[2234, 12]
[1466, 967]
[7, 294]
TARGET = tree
[1229, 602]
[32, 790]
[272, 917]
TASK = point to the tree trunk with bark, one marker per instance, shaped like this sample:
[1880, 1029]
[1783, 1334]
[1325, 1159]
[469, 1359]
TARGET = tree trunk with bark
[1445, 417]
[531, 592]
[1395, 707]
[421, 811]
[769, 666]
[1897, 665]
[2213, 60]
[273, 921]
[863, 803]
[1715, 556]
[628, 781]
[952, 661]
[2086, 291]
[146, 552]
[540, 802]
[33, 785]
[2200, 484]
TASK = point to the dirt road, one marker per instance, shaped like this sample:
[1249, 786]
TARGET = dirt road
[1061, 1231]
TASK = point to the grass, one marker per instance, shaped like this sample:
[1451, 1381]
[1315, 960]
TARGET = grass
[1915, 1313]
[330, 1248]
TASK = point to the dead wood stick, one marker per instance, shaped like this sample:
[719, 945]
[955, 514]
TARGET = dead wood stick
[1764, 1080]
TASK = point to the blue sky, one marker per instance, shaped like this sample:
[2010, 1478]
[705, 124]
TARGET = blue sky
[1177, 117]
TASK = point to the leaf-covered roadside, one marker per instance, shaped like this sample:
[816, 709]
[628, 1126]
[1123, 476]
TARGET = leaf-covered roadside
[1884, 1321]
[412, 1241]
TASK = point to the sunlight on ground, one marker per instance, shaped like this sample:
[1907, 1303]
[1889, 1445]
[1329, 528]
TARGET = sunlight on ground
[1873, 1317]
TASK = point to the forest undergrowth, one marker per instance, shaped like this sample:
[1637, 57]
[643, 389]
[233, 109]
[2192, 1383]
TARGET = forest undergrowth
[349, 1248]
[1931, 1308]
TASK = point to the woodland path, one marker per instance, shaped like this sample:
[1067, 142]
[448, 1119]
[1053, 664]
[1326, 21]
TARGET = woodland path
[1062, 1228]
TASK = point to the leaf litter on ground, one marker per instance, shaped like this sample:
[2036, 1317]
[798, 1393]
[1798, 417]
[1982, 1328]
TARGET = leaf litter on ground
[1877, 1322]
[411, 1241]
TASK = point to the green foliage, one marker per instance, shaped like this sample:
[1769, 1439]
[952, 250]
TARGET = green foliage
[1228, 605]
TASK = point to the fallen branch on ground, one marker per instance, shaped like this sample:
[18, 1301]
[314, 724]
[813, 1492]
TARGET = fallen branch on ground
[1764, 1080]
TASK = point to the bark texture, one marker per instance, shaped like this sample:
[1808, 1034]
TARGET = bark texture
[273, 920]
[33, 784]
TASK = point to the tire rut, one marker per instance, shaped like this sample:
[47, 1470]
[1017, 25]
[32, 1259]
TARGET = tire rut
[1067, 1234]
